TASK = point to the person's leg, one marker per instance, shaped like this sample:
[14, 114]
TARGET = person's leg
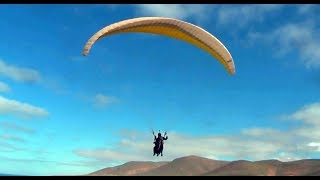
[161, 149]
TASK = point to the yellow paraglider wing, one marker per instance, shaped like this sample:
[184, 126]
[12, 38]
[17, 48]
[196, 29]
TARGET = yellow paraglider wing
[172, 28]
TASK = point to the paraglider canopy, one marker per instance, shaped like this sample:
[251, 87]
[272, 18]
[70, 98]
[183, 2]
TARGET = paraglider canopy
[172, 28]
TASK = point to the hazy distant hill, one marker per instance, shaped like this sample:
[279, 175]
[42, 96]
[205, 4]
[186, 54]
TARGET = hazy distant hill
[199, 166]
[127, 169]
[247, 168]
[185, 166]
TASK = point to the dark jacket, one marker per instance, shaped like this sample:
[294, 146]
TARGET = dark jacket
[158, 140]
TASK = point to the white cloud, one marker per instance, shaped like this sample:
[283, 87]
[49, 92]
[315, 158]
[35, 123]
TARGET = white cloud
[284, 156]
[18, 73]
[315, 144]
[11, 138]
[49, 167]
[132, 148]
[242, 15]
[8, 147]
[307, 8]
[179, 11]
[304, 138]
[55, 85]
[258, 132]
[140, 149]
[8, 106]
[271, 135]
[4, 87]
[309, 114]
[250, 144]
[101, 100]
[109, 155]
[45, 161]
[302, 38]
[12, 126]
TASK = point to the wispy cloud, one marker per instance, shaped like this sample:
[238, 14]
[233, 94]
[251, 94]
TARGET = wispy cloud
[304, 138]
[284, 156]
[18, 73]
[309, 115]
[307, 8]
[109, 155]
[242, 15]
[315, 144]
[251, 143]
[8, 106]
[56, 167]
[26, 160]
[265, 133]
[4, 87]
[101, 100]
[179, 11]
[235, 15]
[11, 138]
[55, 85]
[14, 127]
[24, 74]
[301, 37]
[7, 147]
[182, 145]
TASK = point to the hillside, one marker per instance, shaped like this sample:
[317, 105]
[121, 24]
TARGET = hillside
[199, 166]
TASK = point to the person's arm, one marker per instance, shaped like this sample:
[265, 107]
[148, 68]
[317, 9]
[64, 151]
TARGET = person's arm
[165, 138]
[154, 135]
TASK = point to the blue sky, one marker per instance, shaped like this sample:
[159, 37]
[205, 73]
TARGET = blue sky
[62, 113]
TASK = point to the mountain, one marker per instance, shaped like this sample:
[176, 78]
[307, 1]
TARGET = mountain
[127, 169]
[185, 166]
[199, 166]
[247, 168]
[306, 167]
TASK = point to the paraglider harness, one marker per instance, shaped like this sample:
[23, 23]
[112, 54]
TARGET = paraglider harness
[158, 141]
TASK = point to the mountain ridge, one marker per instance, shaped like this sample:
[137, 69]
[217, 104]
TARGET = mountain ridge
[200, 166]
